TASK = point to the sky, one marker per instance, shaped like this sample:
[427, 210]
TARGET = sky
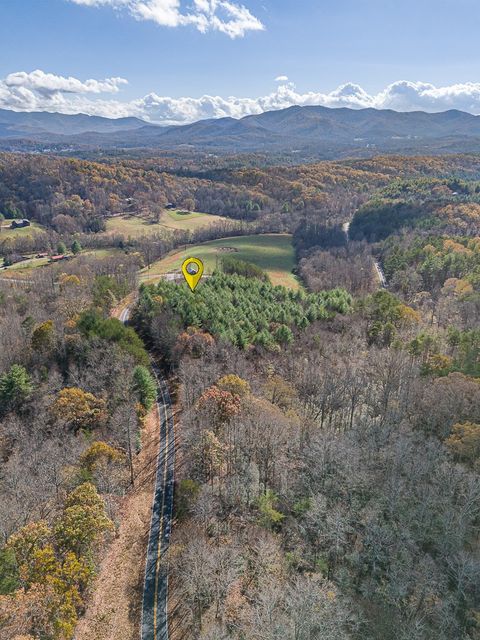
[177, 61]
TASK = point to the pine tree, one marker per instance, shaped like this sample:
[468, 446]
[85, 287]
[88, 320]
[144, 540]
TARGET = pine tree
[144, 385]
[15, 387]
[76, 247]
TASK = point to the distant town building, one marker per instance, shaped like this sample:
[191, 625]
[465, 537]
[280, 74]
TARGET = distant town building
[19, 224]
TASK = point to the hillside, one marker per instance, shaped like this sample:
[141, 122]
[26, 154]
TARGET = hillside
[272, 253]
[37, 124]
[69, 195]
[327, 435]
[310, 130]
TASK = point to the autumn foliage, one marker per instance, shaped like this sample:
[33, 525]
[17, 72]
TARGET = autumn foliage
[54, 569]
[78, 409]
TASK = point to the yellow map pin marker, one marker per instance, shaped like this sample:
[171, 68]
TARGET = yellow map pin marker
[192, 270]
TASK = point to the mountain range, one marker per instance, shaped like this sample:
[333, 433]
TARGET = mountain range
[304, 130]
[14, 124]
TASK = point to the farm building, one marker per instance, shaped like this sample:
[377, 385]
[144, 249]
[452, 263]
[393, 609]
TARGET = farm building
[19, 224]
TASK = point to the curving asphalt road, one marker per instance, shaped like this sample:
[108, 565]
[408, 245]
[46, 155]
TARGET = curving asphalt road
[155, 591]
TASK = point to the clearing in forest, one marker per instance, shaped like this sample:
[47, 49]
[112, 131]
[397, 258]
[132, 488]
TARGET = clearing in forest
[24, 268]
[273, 253]
[135, 226]
[7, 232]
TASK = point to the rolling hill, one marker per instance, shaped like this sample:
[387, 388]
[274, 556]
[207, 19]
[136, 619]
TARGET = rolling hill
[317, 130]
[14, 124]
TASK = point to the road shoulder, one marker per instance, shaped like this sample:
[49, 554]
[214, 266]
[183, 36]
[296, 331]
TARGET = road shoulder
[114, 607]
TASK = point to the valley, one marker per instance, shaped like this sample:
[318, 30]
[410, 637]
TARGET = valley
[302, 390]
[239, 320]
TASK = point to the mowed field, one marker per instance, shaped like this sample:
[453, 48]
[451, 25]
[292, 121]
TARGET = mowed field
[135, 226]
[271, 252]
[25, 265]
[6, 232]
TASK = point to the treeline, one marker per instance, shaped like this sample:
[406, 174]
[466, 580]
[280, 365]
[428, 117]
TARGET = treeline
[73, 196]
[142, 249]
[231, 265]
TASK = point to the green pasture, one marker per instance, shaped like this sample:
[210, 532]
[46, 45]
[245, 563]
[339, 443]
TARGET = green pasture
[271, 252]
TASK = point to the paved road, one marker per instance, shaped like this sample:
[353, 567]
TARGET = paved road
[125, 315]
[376, 264]
[155, 591]
[380, 274]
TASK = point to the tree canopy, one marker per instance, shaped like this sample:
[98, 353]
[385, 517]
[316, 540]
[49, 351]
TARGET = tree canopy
[242, 310]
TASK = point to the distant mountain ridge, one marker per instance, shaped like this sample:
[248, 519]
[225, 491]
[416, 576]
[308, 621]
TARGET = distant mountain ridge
[33, 123]
[314, 129]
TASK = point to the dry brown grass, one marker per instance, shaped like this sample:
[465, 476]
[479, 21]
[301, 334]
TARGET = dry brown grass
[114, 607]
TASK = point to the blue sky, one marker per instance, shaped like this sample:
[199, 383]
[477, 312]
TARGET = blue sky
[181, 60]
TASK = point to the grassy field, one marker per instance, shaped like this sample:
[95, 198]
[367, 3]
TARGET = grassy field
[135, 226]
[6, 232]
[31, 263]
[102, 253]
[25, 267]
[189, 220]
[271, 252]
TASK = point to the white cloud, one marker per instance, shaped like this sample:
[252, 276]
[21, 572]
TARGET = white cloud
[233, 19]
[40, 91]
[281, 79]
[48, 83]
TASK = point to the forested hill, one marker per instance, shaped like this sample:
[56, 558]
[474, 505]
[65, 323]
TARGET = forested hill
[15, 124]
[329, 434]
[70, 195]
[311, 130]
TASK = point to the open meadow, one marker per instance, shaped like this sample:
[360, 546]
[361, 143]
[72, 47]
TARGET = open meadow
[135, 226]
[7, 232]
[271, 252]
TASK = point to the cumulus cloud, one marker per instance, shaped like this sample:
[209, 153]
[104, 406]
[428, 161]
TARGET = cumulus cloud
[227, 17]
[40, 91]
[281, 79]
[49, 83]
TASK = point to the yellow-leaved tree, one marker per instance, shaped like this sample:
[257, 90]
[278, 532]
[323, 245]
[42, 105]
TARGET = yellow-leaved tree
[78, 409]
[55, 567]
[464, 442]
